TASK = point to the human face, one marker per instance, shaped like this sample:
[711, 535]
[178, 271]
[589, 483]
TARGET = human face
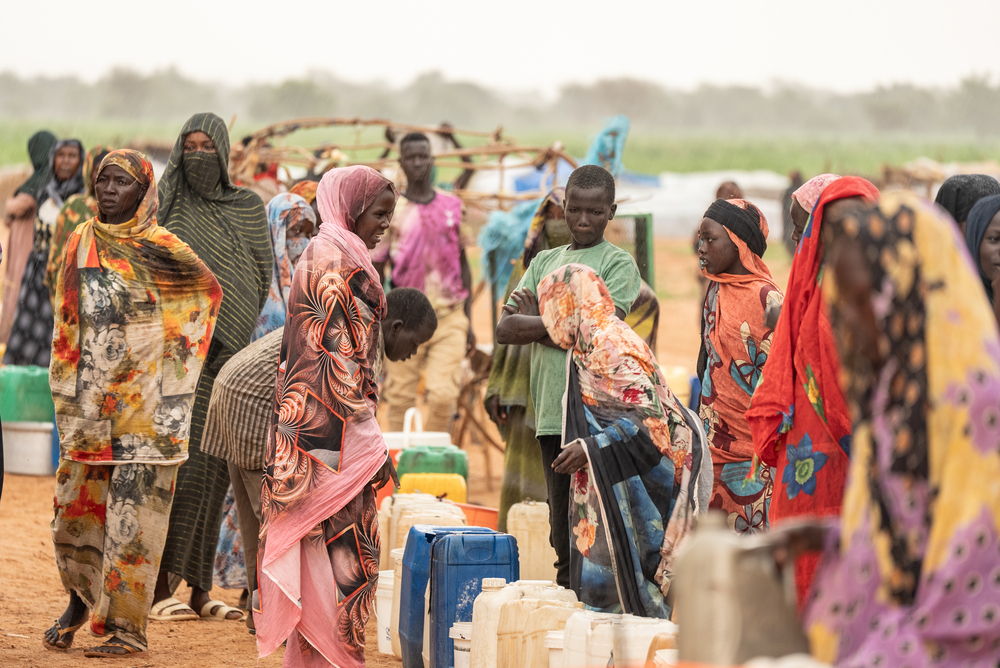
[118, 195]
[66, 162]
[374, 221]
[587, 214]
[989, 250]
[717, 254]
[300, 227]
[401, 342]
[800, 217]
[416, 159]
[198, 141]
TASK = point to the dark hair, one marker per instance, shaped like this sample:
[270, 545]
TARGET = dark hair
[592, 176]
[412, 307]
[411, 137]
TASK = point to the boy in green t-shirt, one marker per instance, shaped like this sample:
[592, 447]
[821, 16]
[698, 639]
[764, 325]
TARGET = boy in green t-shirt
[590, 205]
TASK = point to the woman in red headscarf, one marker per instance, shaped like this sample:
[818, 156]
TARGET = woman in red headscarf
[735, 344]
[319, 536]
[798, 416]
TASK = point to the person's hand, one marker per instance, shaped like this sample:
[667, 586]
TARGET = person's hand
[571, 459]
[385, 474]
[497, 412]
[527, 303]
[19, 206]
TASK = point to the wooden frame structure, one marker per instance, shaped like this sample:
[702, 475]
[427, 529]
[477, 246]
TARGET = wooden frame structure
[493, 153]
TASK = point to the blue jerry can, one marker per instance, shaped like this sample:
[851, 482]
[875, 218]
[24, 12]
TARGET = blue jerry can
[459, 562]
[416, 574]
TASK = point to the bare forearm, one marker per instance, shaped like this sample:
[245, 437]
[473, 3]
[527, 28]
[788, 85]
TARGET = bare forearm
[517, 329]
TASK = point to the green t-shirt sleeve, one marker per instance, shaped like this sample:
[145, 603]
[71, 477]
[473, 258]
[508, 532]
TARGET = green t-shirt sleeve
[621, 275]
[529, 280]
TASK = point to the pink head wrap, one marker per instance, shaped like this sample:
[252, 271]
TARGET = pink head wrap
[343, 195]
[808, 193]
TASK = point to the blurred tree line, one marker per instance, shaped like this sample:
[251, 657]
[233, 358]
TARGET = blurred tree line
[967, 109]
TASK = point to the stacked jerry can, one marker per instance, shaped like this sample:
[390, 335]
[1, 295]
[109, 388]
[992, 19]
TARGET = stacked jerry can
[30, 441]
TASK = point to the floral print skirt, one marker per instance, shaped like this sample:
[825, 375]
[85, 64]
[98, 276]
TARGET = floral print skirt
[745, 499]
[109, 528]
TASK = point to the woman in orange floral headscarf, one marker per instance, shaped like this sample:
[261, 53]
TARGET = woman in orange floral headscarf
[734, 347]
[640, 467]
[135, 315]
[319, 535]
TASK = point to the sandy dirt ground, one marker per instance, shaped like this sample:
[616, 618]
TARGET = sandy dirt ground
[31, 595]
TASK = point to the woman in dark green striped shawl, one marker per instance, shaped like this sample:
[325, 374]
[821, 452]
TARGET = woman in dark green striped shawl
[227, 227]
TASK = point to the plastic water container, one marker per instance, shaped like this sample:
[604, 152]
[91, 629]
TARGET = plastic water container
[485, 617]
[433, 459]
[459, 562]
[528, 521]
[601, 644]
[413, 434]
[383, 610]
[388, 508]
[663, 658]
[416, 571]
[480, 516]
[486, 612]
[522, 629]
[554, 645]
[631, 637]
[450, 486]
[662, 648]
[400, 512]
[461, 636]
[27, 448]
[543, 621]
[25, 394]
[397, 577]
[435, 513]
[580, 627]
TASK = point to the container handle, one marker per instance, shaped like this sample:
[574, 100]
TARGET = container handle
[411, 416]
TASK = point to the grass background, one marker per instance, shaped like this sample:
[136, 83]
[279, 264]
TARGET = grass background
[645, 152]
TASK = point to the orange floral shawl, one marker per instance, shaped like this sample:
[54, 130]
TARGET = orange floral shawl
[134, 317]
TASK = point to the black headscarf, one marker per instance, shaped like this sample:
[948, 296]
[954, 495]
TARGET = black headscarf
[744, 223]
[57, 190]
[224, 224]
[39, 150]
[959, 193]
[975, 229]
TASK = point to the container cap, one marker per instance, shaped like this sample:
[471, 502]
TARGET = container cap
[461, 631]
[494, 583]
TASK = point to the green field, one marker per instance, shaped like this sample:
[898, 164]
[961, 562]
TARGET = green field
[646, 152]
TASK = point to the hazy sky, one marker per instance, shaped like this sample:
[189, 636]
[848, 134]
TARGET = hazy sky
[514, 44]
